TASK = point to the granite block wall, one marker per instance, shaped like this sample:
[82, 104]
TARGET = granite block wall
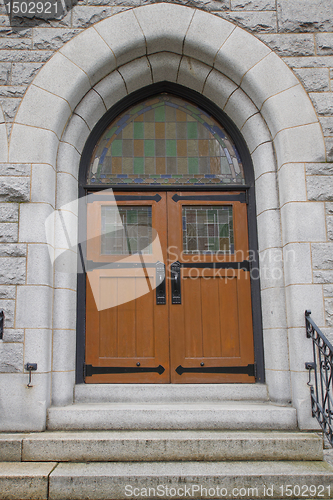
[299, 31]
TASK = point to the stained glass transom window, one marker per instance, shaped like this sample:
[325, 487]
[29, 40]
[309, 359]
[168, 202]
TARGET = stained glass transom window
[165, 140]
[208, 229]
[126, 230]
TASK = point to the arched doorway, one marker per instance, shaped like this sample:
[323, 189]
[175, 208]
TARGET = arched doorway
[252, 85]
[168, 293]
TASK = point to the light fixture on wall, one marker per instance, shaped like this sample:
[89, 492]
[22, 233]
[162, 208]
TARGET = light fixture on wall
[30, 367]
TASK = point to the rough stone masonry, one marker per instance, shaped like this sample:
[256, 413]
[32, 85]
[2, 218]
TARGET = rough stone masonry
[299, 31]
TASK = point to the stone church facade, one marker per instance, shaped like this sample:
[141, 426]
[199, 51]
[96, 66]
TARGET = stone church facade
[268, 65]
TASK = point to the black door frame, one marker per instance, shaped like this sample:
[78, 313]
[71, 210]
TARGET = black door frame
[248, 188]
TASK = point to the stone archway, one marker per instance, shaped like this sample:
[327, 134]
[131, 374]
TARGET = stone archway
[210, 55]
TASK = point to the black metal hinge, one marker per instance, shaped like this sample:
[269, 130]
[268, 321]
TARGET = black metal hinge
[245, 265]
[91, 265]
[249, 370]
[122, 197]
[241, 197]
[89, 370]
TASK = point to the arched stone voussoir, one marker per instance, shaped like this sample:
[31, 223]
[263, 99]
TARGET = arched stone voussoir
[287, 109]
[193, 73]
[240, 52]
[300, 144]
[164, 66]
[255, 132]
[263, 159]
[62, 77]
[83, 52]
[164, 26]
[240, 107]
[267, 77]
[219, 88]
[87, 113]
[212, 31]
[68, 159]
[111, 89]
[91, 108]
[32, 145]
[123, 35]
[51, 112]
[136, 74]
[76, 133]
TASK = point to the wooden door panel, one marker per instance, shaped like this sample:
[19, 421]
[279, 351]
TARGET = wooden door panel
[212, 324]
[211, 334]
[127, 331]
[108, 321]
[145, 338]
[212, 327]
[229, 317]
[192, 318]
[125, 328]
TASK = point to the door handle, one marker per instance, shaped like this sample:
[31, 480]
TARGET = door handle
[160, 283]
[175, 283]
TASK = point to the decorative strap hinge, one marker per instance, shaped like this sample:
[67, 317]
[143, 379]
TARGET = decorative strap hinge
[241, 197]
[250, 370]
[90, 370]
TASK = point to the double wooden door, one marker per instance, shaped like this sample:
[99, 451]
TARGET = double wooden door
[168, 288]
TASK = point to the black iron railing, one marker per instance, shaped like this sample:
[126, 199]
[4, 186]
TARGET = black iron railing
[322, 390]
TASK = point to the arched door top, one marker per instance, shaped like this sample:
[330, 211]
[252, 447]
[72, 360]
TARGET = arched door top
[165, 140]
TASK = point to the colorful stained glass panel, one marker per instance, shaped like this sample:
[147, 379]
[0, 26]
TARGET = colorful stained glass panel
[208, 229]
[165, 135]
[126, 230]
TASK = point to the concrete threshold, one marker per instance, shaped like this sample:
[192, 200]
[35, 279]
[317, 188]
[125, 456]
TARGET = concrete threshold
[169, 393]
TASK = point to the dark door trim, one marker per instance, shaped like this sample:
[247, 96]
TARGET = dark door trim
[248, 188]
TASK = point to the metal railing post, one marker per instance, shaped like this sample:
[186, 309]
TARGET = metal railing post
[322, 391]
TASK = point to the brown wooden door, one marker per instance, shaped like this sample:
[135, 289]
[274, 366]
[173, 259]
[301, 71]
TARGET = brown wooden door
[211, 330]
[202, 333]
[126, 331]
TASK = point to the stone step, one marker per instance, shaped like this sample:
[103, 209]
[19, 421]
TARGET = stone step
[165, 480]
[229, 415]
[250, 480]
[169, 393]
[134, 446]
[25, 480]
